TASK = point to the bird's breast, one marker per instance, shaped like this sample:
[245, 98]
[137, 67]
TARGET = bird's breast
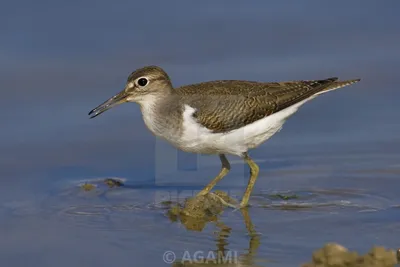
[161, 124]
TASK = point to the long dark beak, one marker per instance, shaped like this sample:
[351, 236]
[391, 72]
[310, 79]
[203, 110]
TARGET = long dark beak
[112, 102]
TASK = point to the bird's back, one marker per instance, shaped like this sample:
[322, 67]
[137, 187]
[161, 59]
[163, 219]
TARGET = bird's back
[229, 104]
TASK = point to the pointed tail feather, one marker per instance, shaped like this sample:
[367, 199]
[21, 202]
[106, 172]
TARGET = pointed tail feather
[337, 85]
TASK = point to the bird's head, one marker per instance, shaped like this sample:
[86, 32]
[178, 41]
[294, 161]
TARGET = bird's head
[142, 84]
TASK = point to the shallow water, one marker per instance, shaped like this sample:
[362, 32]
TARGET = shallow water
[337, 161]
[352, 200]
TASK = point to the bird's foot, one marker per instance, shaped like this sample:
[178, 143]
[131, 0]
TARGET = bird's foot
[240, 206]
[235, 207]
[226, 202]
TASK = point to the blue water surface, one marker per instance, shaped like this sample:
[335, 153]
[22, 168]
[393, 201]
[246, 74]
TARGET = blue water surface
[340, 153]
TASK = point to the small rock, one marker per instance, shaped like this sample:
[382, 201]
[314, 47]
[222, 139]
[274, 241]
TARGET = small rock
[88, 187]
[335, 255]
[113, 183]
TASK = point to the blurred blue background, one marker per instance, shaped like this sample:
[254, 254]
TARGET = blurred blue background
[60, 59]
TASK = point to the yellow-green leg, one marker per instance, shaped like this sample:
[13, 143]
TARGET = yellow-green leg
[254, 169]
[224, 171]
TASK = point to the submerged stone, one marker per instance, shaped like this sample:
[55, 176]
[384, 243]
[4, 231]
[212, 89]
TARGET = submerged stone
[197, 211]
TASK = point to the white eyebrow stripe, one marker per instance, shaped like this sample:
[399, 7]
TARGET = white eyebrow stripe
[130, 85]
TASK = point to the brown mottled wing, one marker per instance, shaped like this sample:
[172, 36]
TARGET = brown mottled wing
[222, 106]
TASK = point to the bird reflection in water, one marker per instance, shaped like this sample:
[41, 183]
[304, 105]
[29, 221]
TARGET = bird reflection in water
[197, 212]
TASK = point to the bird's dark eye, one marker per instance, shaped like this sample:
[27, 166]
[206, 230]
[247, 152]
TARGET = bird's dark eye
[142, 81]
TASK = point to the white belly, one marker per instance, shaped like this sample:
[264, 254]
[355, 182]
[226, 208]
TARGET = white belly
[198, 139]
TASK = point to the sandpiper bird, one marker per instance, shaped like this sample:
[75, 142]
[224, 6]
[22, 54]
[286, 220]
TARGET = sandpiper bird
[217, 117]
